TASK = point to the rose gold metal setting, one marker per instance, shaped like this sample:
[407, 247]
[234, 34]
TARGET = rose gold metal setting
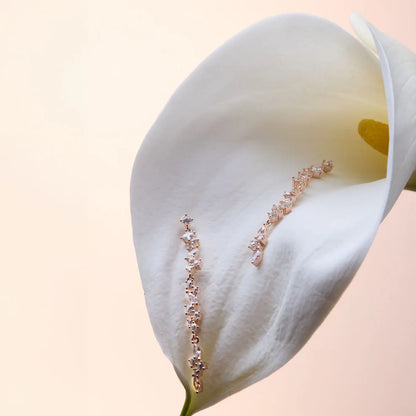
[284, 207]
[192, 312]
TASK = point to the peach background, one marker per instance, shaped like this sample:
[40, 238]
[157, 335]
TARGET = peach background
[81, 83]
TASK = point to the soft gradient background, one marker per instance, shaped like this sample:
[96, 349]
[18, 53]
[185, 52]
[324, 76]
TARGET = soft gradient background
[81, 83]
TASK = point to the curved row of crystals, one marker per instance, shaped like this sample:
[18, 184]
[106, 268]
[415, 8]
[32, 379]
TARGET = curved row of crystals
[192, 311]
[285, 206]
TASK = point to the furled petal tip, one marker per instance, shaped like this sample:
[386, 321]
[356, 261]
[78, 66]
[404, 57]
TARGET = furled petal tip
[285, 93]
[398, 66]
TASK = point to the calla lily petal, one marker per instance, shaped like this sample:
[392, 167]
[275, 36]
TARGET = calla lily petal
[398, 65]
[283, 94]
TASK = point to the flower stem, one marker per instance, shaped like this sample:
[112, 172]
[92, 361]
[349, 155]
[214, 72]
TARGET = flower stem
[186, 411]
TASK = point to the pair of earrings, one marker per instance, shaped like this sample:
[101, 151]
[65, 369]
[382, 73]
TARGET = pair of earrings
[257, 245]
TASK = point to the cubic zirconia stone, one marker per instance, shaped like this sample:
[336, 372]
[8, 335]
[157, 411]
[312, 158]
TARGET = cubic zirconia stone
[257, 257]
[192, 255]
[192, 298]
[254, 245]
[193, 362]
[262, 230]
[286, 205]
[201, 365]
[192, 244]
[197, 352]
[261, 238]
[197, 315]
[186, 219]
[327, 165]
[190, 309]
[317, 172]
[194, 327]
[188, 236]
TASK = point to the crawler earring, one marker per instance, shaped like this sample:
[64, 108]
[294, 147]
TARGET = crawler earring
[192, 312]
[285, 206]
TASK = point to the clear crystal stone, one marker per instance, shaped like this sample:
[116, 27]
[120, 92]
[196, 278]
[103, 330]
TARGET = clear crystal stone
[254, 245]
[190, 268]
[194, 266]
[257, 257]
[188, 236]
[201, 365]
[327, 165]
[317, 171]
[286, 203]
[197, 315]
[197, 352]
[193, 362]
[190, 309]
[186, 219]
[192, 298]
[192, 255]
[262, 238]
[193, 290]
[194, 327]
[192, 243]
[262, 230]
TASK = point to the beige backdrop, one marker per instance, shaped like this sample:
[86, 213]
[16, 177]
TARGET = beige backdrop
[81, 83]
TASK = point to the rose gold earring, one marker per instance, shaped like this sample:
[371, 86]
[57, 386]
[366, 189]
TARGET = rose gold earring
[192, 311]
[285, 206]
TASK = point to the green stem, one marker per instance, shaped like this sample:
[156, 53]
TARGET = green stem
[186, 410]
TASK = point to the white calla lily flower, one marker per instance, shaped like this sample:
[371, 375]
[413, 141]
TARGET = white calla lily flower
[283, 94]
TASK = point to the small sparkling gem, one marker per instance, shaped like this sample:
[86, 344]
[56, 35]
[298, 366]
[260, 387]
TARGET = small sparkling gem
[192, 298]
[254, 245]
[190, 309]
[298, 184]
[186, 219]
[257, 258]
[193, 267]
[188, 236]
[201, 366]
[262, 229]
[192, 244]
[275, 214]
[192, 290]
[190, 269]
[327, 165]
[193, 362]
[261, 238]
[194, 327]
[192, 255]
[317, 171]
[286, 205]
[197, 351]
[290, 195]
[197, 315]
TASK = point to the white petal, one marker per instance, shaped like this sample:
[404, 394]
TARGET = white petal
[287, 92]
[398, 65]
